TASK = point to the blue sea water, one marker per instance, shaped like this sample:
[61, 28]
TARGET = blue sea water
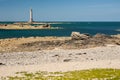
[109, 28]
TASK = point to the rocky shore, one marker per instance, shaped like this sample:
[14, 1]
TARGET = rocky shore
[76, 41]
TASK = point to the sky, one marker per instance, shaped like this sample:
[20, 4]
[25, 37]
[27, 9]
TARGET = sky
[60, 10]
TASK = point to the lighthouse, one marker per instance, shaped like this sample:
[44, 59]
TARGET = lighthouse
[31, 16]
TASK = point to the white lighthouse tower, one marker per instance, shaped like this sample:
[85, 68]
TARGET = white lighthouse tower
[31, 16]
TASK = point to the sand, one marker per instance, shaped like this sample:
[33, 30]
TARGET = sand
[60, 60]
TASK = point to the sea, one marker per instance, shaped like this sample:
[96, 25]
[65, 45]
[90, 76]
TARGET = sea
[108, 28]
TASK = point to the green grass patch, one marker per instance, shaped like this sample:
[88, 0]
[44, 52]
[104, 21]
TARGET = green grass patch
[94, 74]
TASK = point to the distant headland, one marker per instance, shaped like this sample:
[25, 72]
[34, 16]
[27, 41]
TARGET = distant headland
[31, 24]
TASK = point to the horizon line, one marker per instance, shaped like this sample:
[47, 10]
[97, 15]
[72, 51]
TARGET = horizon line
[63, 21]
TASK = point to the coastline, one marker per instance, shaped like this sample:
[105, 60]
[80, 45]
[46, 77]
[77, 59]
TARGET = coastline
[82, 41]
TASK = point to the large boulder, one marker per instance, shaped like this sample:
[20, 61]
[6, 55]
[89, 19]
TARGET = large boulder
[75, 35]
[78, 36]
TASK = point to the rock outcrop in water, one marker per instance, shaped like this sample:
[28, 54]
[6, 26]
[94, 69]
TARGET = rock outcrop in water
[26, 26]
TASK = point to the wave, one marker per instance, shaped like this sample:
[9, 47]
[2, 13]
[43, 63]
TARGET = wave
[117, 29]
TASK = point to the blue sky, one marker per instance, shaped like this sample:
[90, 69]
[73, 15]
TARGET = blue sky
[60, 10]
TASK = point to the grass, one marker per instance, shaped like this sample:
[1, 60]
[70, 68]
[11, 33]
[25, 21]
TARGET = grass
[94, 74]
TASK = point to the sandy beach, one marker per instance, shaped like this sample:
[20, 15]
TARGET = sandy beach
[60, 60]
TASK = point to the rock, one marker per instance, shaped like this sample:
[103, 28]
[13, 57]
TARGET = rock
[70, 54]
[75, 35]
[102, 36]
[83, 36]
[92, 59]
[79, 54]
[87, 34]
[56, 55]
[78, 36]
[2, 64]
[66, 60]
[46, 26]
[84, 53]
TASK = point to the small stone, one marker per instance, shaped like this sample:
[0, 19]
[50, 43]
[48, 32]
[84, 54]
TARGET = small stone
[91, 59]
[84, 53]
[2, 64]
[55, 55]
[70, 54]
[66, 60]
[78, 54]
